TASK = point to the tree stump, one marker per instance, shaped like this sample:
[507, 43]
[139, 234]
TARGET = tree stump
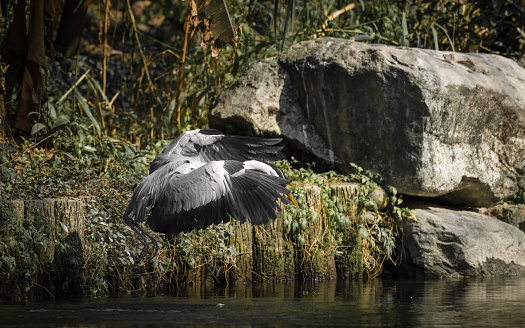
[32, 228]
[242, 240]
[315, 259]
[273, 255]
[349, 260]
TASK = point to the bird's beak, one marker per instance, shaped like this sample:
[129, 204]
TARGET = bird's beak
[290, 197]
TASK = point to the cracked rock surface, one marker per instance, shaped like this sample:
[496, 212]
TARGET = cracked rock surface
[432, 124]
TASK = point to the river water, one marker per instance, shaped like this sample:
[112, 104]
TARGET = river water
[462, 302]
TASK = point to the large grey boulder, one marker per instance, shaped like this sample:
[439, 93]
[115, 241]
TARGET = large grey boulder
[264, 102]
[445, 242]
[430, 123]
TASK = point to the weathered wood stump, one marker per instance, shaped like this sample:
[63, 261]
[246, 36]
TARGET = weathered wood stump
[350, 253]
[242, 240]
[31, 229]
[315, 258]
[273, 254]
[344, 190]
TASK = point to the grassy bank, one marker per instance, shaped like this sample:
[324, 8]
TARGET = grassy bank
[76, 246]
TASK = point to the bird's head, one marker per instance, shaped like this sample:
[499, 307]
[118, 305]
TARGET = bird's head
[157, 162]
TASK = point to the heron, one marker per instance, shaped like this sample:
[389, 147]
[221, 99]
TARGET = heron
[205, 177]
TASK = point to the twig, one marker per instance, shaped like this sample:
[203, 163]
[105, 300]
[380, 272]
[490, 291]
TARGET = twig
[181, 69]
[141, 52]
[338, 13]
[28, 149]
[106, 46]
[113, 99]
[47, 290]
[74, 86]
[145, 64]
[169, 48]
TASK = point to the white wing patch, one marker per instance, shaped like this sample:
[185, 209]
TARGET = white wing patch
[260, 166]
[236, 174]
[203, 139]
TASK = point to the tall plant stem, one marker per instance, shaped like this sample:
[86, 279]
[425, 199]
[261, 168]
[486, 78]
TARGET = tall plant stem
[132, 17]
[181, 69]
[106, 46]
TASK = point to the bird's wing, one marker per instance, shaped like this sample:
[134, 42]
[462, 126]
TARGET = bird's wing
[214, 192]
[239, 148]
[212, 145]
[147, 193]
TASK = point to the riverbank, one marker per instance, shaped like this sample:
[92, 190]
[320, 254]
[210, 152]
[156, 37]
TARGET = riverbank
[72, 247]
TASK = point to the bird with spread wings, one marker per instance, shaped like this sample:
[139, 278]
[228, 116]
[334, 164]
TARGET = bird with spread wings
[205, 177]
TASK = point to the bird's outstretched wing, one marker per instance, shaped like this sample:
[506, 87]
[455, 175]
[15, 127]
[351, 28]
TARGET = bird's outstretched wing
[211, 194]
[212, 145]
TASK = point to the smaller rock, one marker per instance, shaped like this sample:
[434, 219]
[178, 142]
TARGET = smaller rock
[447, 242]
[372, 218]
[379, 197]
[511, 214]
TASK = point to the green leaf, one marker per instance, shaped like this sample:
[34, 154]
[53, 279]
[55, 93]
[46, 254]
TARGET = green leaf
[69, 155]
[74, 87]
[96, 87]
[7, 147]
[393, 199]
[446, 33]
[86, 109]
[404, 39]
[393, 190]
[61, 120]
[36, 128]
[434, 33]
[89, 149]
[52, 111]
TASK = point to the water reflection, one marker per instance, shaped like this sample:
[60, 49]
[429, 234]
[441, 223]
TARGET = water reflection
[411, 303]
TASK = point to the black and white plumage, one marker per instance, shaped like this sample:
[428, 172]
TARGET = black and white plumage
[205, 177]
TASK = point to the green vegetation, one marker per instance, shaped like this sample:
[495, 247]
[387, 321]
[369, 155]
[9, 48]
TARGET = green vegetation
[43, 249]
[519, 198]
[126, 82]
[100, 113]
[347, 215]
[20, 250]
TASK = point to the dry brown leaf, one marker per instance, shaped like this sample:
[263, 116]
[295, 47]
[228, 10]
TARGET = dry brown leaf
[217, 28]
[215, 51]
[138, 7]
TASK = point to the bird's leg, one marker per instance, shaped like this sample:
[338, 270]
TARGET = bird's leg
[145, 243]
[147, 240]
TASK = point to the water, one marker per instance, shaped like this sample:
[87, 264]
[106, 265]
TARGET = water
[486, 302]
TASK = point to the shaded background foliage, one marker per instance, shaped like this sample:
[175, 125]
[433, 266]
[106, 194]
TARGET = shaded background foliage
[97, 83]
[139, 74]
